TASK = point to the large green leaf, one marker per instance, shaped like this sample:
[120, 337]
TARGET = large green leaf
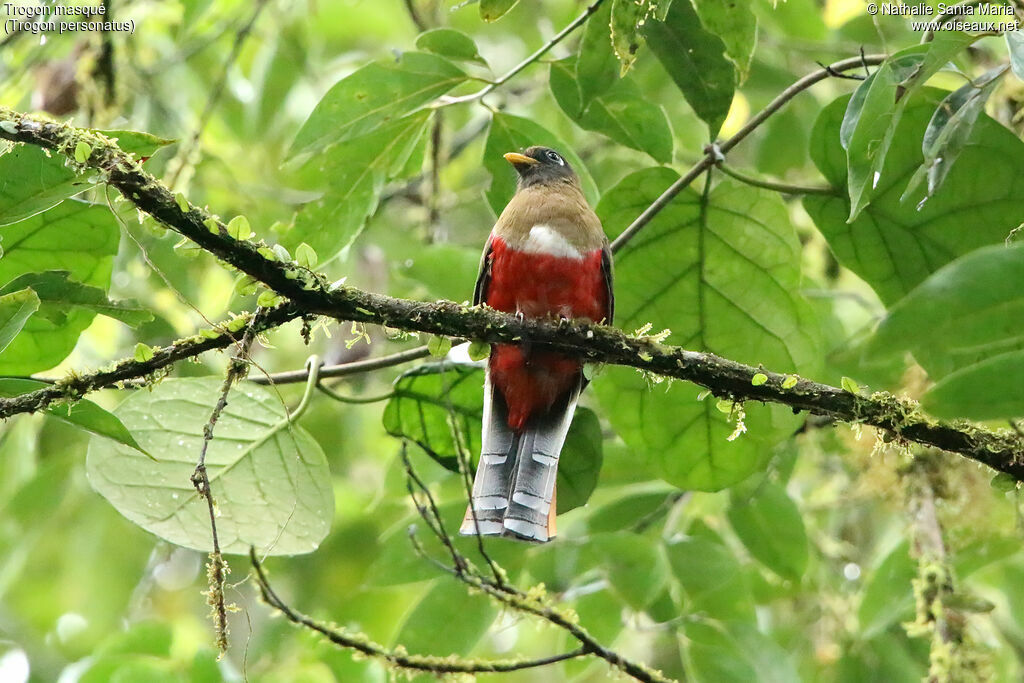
[374, 95]
[724, 276]
[621, 112]
[270, 479]
[60, 295]
[963, 314]
[437, 403]
[509, 133]
[722, 652]
[447, 620]
[83, 413]
[32, 180]
[16, 307]
[695, 60]
[635, 566]
[950, 129]
[770, 526]
[894, 245]
[876, 107]
[354, 173]
[78, 238]
[711, 579]
[736, 25]
[987, 390]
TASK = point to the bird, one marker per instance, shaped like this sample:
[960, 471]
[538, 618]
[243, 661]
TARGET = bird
[546, 257]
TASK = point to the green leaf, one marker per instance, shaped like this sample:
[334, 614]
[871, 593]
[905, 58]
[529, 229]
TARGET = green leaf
[871, 120]
[695, 60]
[962, 315]
[893, 245]
[143, 352]
[82, 151]
[447, 620]
[376, 94]
[83, 413]
[987, 390]
[270, 479]
[722, 652]
[888, 597]
[580, 463]
[621, 112]
[492, 10]
[35, 181]
[711, 579]
[626, 18]
[509, 133]
[724, 276]
[305, 255]
[772, 529]
[239, 229]
[79, 238]
[736, 25]
[596, 66]
[433, 398]
[59, 295]
[1015, 46]
[949, 130]
[447, 42]
[15, 310]
[635, 566]
[138, 144]
[849, 385]
[355, 172]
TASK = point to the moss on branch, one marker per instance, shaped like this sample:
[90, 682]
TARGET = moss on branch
[309, 293]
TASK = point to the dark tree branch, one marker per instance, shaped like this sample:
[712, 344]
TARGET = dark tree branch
[311, 295]
[75, 386]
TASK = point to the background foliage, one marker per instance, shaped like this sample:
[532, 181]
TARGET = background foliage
[797, 550]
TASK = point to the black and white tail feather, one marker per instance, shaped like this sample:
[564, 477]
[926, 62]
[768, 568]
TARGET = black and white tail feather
[514, 489]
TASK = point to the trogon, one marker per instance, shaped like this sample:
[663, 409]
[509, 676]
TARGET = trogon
[547, 257]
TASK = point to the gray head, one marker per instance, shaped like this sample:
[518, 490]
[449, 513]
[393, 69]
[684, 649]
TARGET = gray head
[540, 166]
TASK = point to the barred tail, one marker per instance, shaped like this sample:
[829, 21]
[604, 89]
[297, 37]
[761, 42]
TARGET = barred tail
[514, 490]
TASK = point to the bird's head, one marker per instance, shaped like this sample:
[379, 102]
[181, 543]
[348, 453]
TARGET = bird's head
[540, 166]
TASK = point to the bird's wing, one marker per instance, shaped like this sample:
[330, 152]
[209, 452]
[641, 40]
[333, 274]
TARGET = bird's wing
[483, 278]
[606, 271]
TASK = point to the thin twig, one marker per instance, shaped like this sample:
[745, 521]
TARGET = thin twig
[533, 603]
[397, 657]
[504, 78]
[355, 400]
[776, 185]
[414, 15]
[345, 369]
[712, 156]
[217, 570]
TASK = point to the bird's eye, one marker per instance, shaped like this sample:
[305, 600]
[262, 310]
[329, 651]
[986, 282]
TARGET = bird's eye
[555, 158]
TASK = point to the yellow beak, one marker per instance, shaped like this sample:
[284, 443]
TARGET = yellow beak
[517, 159]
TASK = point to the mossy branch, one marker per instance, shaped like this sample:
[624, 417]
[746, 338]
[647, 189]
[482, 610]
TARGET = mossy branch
[74, 386]
[396, 657]
[310, 294]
